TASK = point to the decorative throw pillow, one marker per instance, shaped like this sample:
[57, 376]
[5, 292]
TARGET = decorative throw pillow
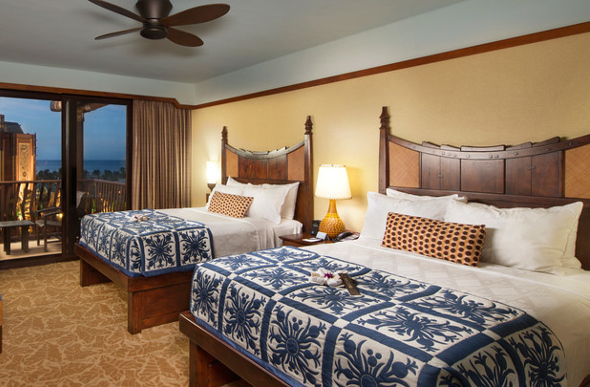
[380, 205]
[226, 189]
[230, 205]
[455, 242]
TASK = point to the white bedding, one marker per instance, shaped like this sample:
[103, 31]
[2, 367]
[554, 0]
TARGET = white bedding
[561, 302]
[238, 235]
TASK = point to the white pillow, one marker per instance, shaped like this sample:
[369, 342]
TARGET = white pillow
[526, 238]
[288, 208]
[380, 205]
[267, 202]
[569, 260]
[233, 190]
[233, 182]
[402, 195]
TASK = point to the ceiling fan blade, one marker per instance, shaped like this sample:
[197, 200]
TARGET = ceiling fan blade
[201, 14]
[112, 34]
[117, 9]
[184, 38]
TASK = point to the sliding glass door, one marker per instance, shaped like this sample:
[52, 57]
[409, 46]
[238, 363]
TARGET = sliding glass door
[95, 159]
[61, 157]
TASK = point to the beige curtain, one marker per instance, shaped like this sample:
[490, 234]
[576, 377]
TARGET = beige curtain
[161, 167]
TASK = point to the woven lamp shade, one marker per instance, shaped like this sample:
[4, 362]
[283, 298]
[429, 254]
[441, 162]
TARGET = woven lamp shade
[332, 184]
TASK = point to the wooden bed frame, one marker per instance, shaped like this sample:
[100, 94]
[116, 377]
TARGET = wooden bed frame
[545, 174]
[159, 299]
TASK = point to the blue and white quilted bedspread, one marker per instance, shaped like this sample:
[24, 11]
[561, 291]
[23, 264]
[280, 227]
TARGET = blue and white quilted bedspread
[146, 242]
[399, 332]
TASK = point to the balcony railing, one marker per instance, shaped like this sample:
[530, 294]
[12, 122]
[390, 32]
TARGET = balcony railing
[22, 199]
[105, 196]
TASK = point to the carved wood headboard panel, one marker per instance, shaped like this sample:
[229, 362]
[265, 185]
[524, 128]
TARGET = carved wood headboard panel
[280, 166]
[549, 173]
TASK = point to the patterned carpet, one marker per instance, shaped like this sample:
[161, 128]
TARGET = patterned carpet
[56, 333]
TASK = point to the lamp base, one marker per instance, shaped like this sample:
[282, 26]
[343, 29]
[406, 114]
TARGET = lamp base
[211, 186]
[332, 224]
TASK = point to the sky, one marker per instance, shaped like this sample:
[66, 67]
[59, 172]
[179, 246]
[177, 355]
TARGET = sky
[104, 128]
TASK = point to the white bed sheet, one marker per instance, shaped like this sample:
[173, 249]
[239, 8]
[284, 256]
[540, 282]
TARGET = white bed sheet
[238, 235]
[561, 302]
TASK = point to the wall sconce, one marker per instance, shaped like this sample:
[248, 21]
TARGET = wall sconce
[211, 174]
[332, 184]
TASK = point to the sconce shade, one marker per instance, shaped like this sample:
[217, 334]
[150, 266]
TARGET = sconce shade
[332, 184]
[211, 174]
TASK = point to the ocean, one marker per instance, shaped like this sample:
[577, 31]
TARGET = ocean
[89, 165]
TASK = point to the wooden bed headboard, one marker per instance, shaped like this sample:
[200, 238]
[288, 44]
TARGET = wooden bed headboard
[549, 173]
[280, 166]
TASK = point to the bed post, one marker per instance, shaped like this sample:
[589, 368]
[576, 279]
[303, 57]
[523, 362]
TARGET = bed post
[223, 155]
[384, 131]
[308, 175]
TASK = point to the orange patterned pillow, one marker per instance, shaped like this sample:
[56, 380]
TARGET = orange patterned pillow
[230, 205]
[455, 242]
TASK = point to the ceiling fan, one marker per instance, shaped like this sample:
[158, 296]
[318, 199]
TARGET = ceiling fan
[157, 24]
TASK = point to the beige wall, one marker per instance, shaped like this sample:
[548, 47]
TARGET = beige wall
[526, 93]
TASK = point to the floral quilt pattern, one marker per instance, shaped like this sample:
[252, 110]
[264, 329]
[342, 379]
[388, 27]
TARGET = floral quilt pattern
[146, 242]
[398, 332]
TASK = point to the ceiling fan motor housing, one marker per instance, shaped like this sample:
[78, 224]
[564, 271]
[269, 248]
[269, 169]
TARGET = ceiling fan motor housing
[154, 9]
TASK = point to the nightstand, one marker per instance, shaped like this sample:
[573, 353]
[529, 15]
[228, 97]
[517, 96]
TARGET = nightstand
[297, 240]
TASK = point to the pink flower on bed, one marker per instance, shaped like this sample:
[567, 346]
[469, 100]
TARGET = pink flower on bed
[323, 277]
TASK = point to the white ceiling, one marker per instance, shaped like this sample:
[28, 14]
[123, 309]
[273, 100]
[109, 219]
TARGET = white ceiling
[60, 33]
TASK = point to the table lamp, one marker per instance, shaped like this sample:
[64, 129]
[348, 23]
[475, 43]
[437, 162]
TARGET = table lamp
[332, 184]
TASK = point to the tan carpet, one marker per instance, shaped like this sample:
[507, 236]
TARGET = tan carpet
[56, 333]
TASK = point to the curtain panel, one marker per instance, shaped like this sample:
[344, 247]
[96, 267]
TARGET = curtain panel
[161, 159]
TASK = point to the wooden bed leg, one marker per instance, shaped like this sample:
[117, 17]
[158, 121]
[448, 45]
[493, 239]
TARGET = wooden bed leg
[198, 366]
[192, 367]
[220, 375]
[206, 371]
[90, 276]
[134, 312]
